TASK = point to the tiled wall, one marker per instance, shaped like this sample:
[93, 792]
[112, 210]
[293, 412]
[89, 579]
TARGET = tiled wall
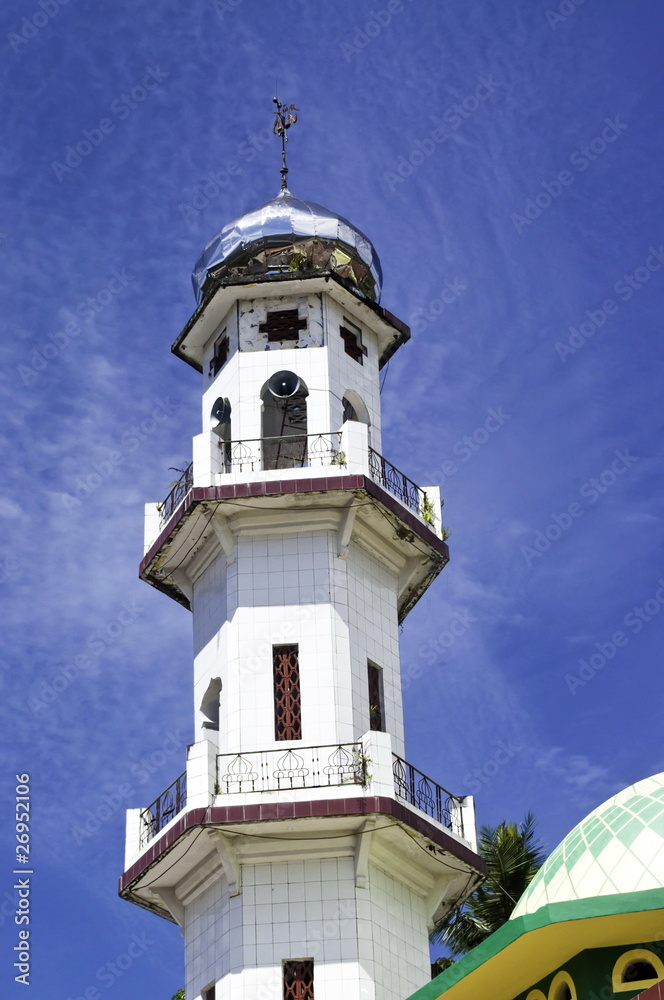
[293, 588]
[327, 371]
[307, 909]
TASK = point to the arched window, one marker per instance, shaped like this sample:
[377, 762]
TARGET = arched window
[562, 987]
[354, 407]
[220, 422]
[210, 705]
[637, 969]
[285, 428]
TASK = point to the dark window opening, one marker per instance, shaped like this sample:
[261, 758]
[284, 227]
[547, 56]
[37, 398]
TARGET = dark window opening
[299, 979]
[209, 992]
[349, 410]
[376, 713]
[210, 705]
[283, 325]
[563, 992]
[285, 430]
[287, 703]
[639, 971]
[219, 354]
[352, 339]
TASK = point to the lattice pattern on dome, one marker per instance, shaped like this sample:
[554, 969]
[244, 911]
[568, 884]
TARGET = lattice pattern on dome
[618, 848]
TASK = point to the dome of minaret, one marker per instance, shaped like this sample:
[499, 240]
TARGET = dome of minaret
[288, 235]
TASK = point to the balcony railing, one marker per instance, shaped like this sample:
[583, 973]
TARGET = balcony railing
[295, 451]
[163, 809]
[400, 485]
[308, 767]
[418, 790]
[177, 494]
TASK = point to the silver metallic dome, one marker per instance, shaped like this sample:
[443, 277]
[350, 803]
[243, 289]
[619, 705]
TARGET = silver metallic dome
[287, 234]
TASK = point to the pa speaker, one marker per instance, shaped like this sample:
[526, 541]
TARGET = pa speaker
[284, 384]
[220, 415]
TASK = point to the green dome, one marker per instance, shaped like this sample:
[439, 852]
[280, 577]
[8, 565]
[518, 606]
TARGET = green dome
[618, 848]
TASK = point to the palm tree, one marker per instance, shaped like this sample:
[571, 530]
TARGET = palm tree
[513, 856]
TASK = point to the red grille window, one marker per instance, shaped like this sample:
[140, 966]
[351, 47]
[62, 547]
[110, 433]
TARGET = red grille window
[352, 339]
[284, 324]
[299, 979]
[220, 355]
[375, 698]
[287, 707]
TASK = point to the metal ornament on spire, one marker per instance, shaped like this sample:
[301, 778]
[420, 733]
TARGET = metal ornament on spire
[283, 121]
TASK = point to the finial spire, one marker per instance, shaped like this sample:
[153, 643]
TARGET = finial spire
[284, 119]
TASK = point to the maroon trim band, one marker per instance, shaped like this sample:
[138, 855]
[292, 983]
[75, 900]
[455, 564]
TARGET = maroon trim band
[264, 811]
[285, 486]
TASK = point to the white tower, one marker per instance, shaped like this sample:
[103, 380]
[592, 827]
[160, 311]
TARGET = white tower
[299, 853]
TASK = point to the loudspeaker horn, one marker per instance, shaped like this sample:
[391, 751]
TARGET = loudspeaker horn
[220, 415]
[284, 384]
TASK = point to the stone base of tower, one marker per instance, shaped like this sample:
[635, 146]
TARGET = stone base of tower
[350, 876]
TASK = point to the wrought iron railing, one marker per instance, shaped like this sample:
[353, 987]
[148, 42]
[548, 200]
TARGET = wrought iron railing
[163, 809]
[295, 451]
[306, 767]
[418, 790]
[177, 493]
[400, 486]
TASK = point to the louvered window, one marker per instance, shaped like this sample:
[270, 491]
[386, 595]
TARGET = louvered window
[285, 324]
[220, 354]
[299, 979]
[352, 338]
[287, 706]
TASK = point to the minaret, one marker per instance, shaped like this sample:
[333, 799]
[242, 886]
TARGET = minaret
[299, 853]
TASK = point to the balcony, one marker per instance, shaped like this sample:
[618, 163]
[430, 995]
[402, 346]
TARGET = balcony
[176, 494]
[365, 768]
[163, 809]
[296, 451]
[416, 789]
[252, 458]
[274, 770]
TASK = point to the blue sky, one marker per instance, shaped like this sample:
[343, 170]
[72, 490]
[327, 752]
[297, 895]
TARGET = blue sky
[506, 162]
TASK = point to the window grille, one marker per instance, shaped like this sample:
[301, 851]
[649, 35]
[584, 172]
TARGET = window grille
[287, 704]
[299, 979]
